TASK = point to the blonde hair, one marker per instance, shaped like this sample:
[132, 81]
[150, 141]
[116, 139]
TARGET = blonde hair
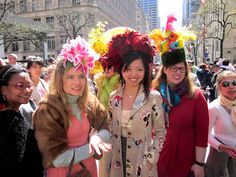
[222, 75]
[161, 76]
[56, 87]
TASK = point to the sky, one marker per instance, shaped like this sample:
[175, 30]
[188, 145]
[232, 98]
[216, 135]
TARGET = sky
[167, 7]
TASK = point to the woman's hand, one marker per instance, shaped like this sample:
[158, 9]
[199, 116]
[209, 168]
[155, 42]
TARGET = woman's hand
[228, 150]
[97, 144]
[198, 170]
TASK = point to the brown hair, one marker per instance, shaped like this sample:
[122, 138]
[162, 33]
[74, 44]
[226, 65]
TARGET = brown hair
[161, 76]
[56, 87]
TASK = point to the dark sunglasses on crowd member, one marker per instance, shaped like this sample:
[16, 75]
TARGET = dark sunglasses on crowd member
[227, 83]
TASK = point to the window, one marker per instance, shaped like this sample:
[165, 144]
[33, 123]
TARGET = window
[75, 2]
[62, 3]
[26, 45]
[34, 5]
[64, 39]
[37, 19]
[15, 46]
[48, 4]
[63, 20]
[23, 6]
[50, 21]
[51, 42]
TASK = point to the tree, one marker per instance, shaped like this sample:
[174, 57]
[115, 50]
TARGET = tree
[218, 16]
[15, 28]
[72, 22]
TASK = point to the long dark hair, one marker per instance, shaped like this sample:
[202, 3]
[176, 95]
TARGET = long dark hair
[128, 59]
[6, 74]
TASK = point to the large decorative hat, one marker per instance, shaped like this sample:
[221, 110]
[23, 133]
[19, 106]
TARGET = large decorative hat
[123, 44]
[100, 40]
[78, 53]
[170, 44]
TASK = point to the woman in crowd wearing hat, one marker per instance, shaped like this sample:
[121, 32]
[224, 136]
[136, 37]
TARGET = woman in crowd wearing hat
[186, 113]
[19, 155]
[222, 114]
[137, 122]
[70, 123]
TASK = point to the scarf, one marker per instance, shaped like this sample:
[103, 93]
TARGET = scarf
[73, 104]
[171, 97]
[230, 105]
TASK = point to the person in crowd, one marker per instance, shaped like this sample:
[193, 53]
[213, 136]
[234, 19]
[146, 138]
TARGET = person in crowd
[19, 154]
[192, 75]
[70, 123]
[187, 129]
[34, 67]
[136, 115]
[12, 58]
[222, 128]
[2, 63]
[186, 112]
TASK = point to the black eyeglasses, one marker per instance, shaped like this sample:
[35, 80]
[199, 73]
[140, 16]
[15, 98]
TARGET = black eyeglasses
[227, 83]
[22, 86]
[175, 69]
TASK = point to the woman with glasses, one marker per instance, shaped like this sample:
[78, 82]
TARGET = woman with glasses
[19, 155]
[186, 118]
[222, 128]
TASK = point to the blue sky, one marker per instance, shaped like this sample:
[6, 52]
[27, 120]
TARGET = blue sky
[167, 7]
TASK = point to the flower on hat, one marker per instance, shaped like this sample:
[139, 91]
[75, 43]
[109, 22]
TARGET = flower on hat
[79, 54]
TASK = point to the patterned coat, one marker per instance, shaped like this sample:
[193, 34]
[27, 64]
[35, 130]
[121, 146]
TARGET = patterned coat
[146, 133]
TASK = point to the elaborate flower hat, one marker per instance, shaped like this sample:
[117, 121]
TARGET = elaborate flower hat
[170, 44]
[100, 42]
[78, 53]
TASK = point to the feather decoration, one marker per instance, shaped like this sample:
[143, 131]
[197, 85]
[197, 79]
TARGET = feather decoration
[169, 23]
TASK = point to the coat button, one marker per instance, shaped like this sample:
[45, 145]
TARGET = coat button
[129, 133]
[129, 146]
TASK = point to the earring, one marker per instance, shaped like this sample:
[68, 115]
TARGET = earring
[4, 98]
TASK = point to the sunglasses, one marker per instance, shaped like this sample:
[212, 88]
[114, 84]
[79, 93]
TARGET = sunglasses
[227, 83]
[22, 86]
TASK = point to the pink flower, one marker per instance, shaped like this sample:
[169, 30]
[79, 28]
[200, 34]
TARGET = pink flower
[78, 52]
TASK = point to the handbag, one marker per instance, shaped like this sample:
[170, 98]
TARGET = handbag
[82, 173]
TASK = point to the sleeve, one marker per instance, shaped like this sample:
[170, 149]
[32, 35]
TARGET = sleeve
[201, 120]
[212, 120]
[50, 133]
[159, 130]
[64, 159]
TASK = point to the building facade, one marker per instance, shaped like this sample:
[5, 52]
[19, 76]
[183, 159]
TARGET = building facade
[83, 13]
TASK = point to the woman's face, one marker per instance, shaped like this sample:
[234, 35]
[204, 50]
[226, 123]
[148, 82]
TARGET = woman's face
[109, 71]
[35, 70]
[227, 87]
[74, 82]
[134, 73]
[175, 74]
[19, 89]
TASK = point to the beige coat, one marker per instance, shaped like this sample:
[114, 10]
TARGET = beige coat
[146, 133]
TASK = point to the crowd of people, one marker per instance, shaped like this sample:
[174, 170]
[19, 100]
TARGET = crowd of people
[132, 118]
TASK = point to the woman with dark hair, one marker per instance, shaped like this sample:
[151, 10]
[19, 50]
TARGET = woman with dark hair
[137, 123]
[34, 67]
[19, 155]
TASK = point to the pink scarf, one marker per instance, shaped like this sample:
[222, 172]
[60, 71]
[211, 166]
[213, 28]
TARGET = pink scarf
[231, 105]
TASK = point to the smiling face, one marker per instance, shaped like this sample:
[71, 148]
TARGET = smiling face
[18, 90]
[175, 74]
[74, 82]
[134, 74]
[227, 87]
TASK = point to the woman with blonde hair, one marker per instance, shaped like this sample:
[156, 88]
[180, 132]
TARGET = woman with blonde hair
[70, 123]
[222, 128]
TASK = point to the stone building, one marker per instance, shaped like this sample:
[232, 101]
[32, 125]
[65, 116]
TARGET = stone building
[52, 12]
